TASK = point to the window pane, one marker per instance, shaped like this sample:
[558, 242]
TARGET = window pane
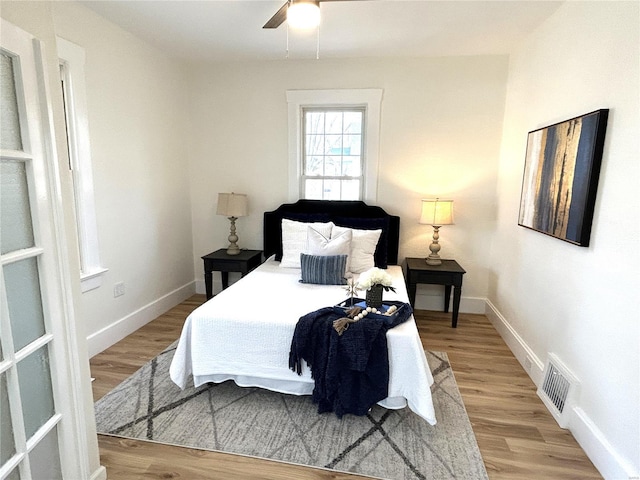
[333, 122]
[313, 189]
[351, 166]
[333, 166]
[34, 377]
[9, 120]
[314, 122]
[23, 298]
[314, 166]
[333, 144]
[314, 145]
[335, 151]
[352, 122]
[331, 190]
[7, 443]
[45, 457]
[15, 213]
[352, 145]
[350, 189]
[15, 474]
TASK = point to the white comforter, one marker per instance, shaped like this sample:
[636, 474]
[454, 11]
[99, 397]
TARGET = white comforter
[244, 334]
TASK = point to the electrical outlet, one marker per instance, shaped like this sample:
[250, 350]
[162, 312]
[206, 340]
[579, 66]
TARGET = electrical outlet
[118, 289]
[527, 364]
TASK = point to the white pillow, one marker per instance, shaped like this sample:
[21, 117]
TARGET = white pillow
[294, 240]
[363, 246]
[318, 244]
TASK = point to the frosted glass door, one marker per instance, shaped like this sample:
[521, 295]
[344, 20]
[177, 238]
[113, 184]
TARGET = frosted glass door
[29, 439]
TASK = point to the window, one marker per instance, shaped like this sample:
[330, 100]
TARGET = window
[333, 144]
[332, 160]
[75, 105]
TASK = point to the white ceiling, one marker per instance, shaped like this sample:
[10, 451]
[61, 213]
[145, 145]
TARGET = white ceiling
[223, 30]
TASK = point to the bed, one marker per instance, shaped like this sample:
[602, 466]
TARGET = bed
[244, 333]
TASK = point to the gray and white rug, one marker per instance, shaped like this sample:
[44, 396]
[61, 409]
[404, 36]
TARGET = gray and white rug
[393, 444]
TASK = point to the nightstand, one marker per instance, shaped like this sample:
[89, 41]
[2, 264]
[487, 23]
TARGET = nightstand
[449, 274]
[219, 261]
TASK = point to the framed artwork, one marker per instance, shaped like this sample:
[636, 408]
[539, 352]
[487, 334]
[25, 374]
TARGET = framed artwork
[561, 171]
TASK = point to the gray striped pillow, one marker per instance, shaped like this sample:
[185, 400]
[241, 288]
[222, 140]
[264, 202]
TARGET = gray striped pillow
[323, 269]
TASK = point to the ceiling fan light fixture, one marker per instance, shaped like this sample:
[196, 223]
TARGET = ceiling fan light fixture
[303, 14]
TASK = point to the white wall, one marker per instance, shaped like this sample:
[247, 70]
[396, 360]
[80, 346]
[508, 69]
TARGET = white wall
[440, 135]
[580, 303]
[138, 128]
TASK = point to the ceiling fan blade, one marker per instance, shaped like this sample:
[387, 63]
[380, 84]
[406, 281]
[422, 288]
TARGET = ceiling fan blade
[279, 18]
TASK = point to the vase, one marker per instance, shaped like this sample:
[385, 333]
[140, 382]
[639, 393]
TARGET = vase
[374, 296]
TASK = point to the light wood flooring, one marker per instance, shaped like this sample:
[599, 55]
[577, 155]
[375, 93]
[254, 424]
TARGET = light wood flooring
[518, 437]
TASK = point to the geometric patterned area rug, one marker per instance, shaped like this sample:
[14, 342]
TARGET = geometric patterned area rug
[390, 444]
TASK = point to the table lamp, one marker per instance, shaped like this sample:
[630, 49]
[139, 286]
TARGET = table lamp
[232, 205]
[436, 213]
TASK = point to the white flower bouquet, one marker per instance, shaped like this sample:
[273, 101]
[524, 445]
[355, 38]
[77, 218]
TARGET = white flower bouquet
[375, 276]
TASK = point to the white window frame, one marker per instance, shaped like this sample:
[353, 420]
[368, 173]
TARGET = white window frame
[369, 98]
[72, 61]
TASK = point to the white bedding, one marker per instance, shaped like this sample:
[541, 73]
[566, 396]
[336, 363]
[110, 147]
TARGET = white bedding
[244, 334]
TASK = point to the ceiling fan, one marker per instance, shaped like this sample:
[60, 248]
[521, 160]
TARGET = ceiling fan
[289, 7]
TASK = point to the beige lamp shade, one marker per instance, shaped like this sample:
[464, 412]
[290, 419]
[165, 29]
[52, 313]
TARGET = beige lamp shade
[232, 205]
[437, 212]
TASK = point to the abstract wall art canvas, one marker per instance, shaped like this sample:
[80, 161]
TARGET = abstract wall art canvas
[561, 171]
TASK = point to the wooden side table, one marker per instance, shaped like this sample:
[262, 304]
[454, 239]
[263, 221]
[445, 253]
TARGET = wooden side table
[449, 274]
[219, 261]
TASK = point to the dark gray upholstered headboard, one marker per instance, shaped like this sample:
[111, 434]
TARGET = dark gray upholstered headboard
[354, 214]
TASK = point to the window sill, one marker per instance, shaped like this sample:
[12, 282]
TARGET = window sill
[92, 280]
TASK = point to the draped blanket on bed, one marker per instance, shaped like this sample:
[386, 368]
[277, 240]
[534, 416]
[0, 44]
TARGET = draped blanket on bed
[351, 371]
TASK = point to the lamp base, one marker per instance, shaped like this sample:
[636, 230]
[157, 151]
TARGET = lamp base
[233, 248]
[433, 260]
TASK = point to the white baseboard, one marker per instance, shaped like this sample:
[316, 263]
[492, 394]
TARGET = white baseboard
[107, 336]
[436, 302]
[599, 450]
[534, 366]
[99, 474]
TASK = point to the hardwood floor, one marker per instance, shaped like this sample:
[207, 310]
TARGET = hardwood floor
[518, 437]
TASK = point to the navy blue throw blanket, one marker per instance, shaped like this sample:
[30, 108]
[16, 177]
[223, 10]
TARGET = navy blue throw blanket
[351, 371]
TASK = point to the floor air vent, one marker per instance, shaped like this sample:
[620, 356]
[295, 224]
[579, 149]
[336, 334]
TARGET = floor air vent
[558, 390]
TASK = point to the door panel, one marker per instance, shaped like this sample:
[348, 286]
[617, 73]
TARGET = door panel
[15, 212]
[7, 444]
[48, 464]
[10, 137]
[24, 301]
[36, 393]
